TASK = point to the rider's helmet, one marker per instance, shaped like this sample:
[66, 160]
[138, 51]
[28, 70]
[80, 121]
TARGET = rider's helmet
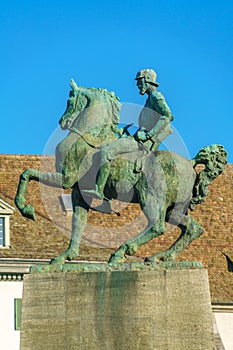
[149, 75]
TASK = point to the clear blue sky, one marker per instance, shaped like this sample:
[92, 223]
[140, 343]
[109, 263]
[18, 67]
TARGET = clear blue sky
[104, 44]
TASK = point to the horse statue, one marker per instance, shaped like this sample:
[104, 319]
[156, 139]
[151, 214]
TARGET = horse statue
[168, 186]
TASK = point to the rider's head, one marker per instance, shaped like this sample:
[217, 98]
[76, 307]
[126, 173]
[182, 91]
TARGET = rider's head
[145, 79]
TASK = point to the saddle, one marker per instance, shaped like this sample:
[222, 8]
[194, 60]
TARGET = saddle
[140, 162]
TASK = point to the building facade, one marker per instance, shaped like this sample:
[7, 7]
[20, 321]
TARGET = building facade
[24, 243]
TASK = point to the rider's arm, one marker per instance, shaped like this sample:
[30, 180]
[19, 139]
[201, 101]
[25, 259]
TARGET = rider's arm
[165, 118]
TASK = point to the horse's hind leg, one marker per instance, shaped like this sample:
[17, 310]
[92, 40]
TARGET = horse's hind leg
[155, 213]
[79, 219]
[190, 230]
[131, 246]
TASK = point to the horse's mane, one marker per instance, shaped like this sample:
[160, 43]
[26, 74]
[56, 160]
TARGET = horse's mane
[112, 98]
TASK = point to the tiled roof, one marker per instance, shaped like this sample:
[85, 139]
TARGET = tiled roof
[49, 234]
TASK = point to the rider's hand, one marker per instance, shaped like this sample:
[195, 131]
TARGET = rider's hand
[116, 130]
[120, 131]
[142, 135]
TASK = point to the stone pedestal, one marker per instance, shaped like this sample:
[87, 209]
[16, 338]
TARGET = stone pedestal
[160, 309]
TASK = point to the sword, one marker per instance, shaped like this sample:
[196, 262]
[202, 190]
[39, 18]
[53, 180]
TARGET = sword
[125, 129]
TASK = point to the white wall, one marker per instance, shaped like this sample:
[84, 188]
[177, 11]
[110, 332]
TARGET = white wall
[9, 338]
[224, 323]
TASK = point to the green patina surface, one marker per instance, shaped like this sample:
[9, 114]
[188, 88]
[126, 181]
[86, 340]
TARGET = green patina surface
[105, 267]
[91, 161]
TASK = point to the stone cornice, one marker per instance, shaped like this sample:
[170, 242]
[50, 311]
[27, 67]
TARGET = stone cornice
[222, 307]
[7, 277]
[15, 269]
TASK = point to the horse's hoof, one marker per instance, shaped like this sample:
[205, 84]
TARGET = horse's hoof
[28, 212]
[57, 261]
[115, 259]
[69, 255]
[148, 259]
[158, 258]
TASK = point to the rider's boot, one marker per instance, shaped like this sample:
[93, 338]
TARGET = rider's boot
[100, 183]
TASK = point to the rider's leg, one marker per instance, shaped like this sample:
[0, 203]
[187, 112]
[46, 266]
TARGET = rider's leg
[106, 154]
[162, 135]
[103, 176]
[113, 150]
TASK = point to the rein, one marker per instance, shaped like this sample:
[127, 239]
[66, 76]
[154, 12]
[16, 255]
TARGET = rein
[95, 147]
[76, 131]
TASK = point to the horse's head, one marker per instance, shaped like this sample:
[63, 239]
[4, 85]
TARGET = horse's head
[75, 104]
[91, 110]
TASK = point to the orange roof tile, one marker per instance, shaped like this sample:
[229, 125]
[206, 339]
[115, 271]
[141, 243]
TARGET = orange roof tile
[49, 235]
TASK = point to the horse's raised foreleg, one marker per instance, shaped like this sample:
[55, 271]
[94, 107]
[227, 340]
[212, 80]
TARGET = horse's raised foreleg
[190, 230]
[50, 179]
[155, 214]
[79, 219]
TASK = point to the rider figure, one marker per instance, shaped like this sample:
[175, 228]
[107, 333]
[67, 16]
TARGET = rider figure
[154, 127]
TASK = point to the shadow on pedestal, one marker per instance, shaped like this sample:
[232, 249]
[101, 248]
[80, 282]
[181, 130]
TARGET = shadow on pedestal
[135, 308]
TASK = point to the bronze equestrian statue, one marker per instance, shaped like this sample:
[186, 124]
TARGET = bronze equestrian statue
[165, 184]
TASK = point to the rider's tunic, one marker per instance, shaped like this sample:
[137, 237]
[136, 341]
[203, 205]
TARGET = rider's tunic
[155, 117]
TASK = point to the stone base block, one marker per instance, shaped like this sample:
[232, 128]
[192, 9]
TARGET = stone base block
[163, 309]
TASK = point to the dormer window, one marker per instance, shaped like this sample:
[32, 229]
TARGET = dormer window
[5, 211]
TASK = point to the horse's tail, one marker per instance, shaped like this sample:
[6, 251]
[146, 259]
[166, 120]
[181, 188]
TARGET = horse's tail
[214, 158]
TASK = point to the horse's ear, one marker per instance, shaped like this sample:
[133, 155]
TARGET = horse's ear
[73, 85]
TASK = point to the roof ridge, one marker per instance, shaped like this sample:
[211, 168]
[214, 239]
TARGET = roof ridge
[15, 155]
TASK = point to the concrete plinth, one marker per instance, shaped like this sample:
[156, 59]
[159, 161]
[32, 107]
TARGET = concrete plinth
[161, 309]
